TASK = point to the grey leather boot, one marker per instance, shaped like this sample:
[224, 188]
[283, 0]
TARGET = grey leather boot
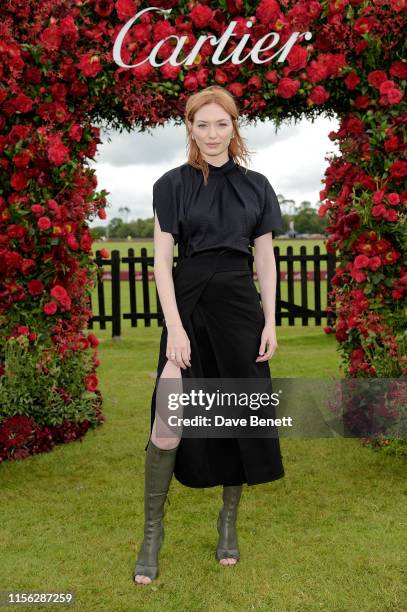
[228, 546]
[159, 467]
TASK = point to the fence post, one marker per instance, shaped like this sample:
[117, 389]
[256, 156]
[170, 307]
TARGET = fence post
[132, 287]
[331, 269]
[116, 307]
[304, 284]
[146, 287]
[278, 285]
[290, 285]
[317, 284]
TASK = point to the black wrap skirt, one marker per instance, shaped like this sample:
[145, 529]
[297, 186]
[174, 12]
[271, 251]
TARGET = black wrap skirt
[222, 315]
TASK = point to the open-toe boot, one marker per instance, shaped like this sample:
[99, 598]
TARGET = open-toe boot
[159, 467]
[228, 543]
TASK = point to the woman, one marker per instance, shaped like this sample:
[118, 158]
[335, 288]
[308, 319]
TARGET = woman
[214, 324]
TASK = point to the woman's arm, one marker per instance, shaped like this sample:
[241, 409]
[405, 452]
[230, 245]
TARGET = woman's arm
[265, 264]
[178, 341]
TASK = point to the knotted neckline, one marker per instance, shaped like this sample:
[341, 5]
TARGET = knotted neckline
[215, 170]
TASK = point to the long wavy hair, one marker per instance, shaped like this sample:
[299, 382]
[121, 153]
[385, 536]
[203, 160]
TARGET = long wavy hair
[237, 147]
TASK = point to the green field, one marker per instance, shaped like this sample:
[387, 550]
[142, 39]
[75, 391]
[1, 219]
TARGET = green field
[328, 536]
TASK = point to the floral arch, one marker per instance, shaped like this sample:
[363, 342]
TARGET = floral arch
[59, 78]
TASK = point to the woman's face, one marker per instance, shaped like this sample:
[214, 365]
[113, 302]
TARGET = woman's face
[212, 129]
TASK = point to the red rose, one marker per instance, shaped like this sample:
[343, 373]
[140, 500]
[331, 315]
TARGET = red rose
[375, 263]
[65, 302]
[104, 7]
[391, 257]
[72, 242]
[190, 83]
[69, 29]
[358, 276]
[52, 205]
[37, 209]
[22, 159]
[22, 103]
[392, 143]
[362, 102]
[50, 308]
[142, 72]
[44, 223]
[393, 199]
[254, 83]
[287, 88]
[93, 340]
[352, 80]
[271, 76]
[15, 231]
[170, 72]
[201, 16]
[236, 89]
[391, 215]
[58, 153]
[361, 261]
[91, 382]
[355, 126]
[297, 58]
[398, 169]
[318, 95]
[378, 196]
[89, 64]
[220, 76]
[378, 211]
[18, 181]
[51, 38]
[268, 11]
[35, 287]
[398, 69]
[58, 292]
[125, 9]
[75, 132]
[376, 77]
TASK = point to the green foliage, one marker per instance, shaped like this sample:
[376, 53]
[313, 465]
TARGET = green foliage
[39, 383]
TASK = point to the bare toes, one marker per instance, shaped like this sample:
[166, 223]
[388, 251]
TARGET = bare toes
[228, 561]
[140, 579]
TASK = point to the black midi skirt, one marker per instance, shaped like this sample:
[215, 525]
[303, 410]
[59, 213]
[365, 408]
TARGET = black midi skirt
[222, 315]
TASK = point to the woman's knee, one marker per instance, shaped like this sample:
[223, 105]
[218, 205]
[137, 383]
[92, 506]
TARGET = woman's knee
[164, 442]
[171, 439]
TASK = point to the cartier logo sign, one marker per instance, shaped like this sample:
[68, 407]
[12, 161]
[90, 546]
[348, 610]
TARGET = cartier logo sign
[238, 56]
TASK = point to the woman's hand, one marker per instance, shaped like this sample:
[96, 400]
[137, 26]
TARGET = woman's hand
[268, 337]
[178, 346]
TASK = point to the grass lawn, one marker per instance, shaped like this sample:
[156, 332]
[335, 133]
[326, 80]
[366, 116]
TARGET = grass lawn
[331, 535]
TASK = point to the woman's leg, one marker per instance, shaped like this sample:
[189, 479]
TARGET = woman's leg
[162, 435]
[159, 467]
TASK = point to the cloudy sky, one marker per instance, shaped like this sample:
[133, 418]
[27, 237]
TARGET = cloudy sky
[293, 159]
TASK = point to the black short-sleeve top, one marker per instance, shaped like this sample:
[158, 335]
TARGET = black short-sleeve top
[236, 206]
